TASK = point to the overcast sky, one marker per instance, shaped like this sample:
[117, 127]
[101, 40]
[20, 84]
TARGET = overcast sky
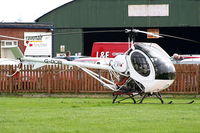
[26, 10]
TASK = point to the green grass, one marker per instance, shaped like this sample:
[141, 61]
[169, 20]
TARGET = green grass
[96, 115]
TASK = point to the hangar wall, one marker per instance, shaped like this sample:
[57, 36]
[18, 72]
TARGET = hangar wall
[72, 41]
[114, 13]
[96, 14]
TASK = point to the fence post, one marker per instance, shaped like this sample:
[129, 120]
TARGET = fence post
[49, 78]
[10, 69]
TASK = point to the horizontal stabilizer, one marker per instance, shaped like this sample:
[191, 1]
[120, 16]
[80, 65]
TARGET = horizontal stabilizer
[17, 52]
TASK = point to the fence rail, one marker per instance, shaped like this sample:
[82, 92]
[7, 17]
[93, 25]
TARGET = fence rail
[59, 79]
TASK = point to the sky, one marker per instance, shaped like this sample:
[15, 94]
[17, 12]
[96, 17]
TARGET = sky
[27, 10]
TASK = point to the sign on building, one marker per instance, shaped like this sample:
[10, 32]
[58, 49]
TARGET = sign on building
[38, 44]
[62, 48]
[148, 10]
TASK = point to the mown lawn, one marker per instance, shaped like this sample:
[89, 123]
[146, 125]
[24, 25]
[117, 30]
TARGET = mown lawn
[96, 115]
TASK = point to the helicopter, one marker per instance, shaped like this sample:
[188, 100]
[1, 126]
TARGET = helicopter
[144, 70]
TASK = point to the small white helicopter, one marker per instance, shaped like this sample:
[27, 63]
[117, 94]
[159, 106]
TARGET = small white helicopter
[145, 69]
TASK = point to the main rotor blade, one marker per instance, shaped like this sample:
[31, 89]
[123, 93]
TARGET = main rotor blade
[10, 37]
[67, 33]
[164, 35]
[180, 38]
[87, 32]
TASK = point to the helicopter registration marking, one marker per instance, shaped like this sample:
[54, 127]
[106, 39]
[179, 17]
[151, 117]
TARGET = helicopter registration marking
[52, 61]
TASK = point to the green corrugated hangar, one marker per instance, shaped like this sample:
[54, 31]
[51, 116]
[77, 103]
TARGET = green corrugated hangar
[174, 17]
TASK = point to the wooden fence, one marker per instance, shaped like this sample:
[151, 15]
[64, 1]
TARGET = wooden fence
[187, 80]
[61, 79]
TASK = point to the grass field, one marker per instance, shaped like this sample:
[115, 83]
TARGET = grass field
[96, 115]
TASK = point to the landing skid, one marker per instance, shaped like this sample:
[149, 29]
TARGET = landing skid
[190, 102]
[130, 95]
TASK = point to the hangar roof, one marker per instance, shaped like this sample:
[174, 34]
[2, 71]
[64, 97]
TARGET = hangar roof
[124, 13]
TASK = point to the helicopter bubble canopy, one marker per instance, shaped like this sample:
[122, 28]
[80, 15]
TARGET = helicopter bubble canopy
[151, 66]
[163, 66]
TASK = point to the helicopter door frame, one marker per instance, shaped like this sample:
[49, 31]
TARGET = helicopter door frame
[144, 80]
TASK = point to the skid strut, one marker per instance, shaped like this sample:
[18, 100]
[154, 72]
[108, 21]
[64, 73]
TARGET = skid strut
[157, 94]
[116, 94]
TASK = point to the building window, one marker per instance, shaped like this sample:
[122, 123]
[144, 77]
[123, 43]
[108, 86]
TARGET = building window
[8, 43]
